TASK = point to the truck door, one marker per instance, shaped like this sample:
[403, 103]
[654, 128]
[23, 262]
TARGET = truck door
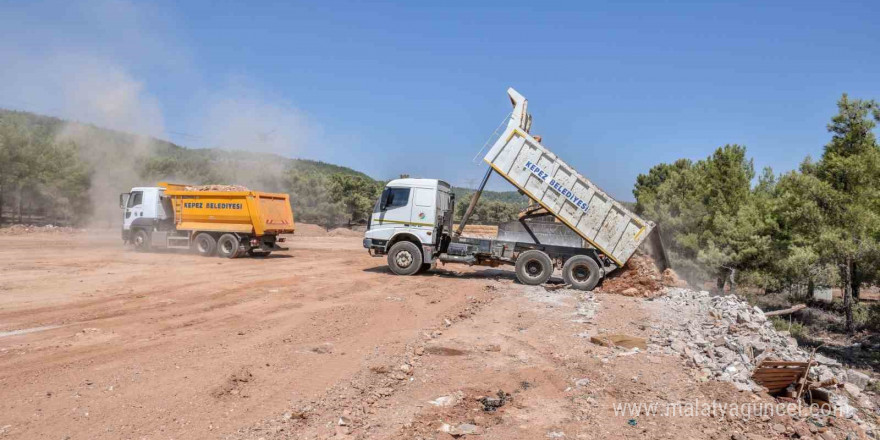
[393, 211]
[134, 209]
[424, 210]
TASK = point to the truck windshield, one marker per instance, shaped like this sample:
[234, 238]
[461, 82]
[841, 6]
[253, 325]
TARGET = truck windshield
[393, 198]
[135, 199]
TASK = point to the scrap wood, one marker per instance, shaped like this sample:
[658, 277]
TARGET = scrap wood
[786, 311]
[624, 341]
[833, 382]
[778, 375]
[806, 375]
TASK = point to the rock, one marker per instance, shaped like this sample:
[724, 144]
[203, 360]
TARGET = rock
[582, 382]
[406, 368]
[825, 360]
[631, 291]
[419, 351]
[779, 428]
[448, 401]
[852, 389]
[460, 430]
[493, 347]
[827, 435]
[857, 378]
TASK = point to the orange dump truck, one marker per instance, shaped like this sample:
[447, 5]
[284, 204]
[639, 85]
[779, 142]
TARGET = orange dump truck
[228, 222]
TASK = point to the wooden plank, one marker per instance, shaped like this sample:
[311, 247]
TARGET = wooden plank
[782, 364]
[778, 373]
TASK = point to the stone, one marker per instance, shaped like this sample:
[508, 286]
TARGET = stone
[582, 382]
[779, 427]
[827, 435]
[460, 430]
[825, 360]
[446, 401]
[857, 378]
[852, 389]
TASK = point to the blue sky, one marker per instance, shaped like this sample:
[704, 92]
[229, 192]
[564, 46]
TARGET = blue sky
[417, 87]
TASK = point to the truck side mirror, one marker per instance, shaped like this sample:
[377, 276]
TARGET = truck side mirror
[385, 199]
[123, 199]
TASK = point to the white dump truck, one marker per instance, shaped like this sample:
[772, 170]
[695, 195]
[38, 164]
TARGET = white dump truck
[412, 221]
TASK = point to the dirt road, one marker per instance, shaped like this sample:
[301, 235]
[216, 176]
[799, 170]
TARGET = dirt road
[100, 342]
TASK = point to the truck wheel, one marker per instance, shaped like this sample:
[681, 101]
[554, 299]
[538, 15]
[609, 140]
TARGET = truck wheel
[582, 272]
[227, 246]
[141, 240]
[405, 258]
[533, 267]
[205, 244]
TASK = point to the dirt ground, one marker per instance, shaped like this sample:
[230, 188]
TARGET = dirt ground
[100, 342]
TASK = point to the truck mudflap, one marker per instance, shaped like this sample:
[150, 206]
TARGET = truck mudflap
[427, 253]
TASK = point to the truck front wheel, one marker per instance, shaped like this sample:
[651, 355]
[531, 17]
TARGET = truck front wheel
[405, 258]
[141, 240]
[582, 272]
[205, 244]
[227, 246]
[533, 267]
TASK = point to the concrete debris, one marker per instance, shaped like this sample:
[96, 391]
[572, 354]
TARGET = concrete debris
[224, 188]
[725, 338]
[448, 401]
[460, 430]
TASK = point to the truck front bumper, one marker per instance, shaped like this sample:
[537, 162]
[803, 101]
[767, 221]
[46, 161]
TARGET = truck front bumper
[375, 247]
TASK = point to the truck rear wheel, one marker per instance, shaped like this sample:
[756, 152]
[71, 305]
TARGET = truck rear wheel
[533, 267]
[141, 240]
[227, 246]
[582, 272]
[405, 258]
[205, 244]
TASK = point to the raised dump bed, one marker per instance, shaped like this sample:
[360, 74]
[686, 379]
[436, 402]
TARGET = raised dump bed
[566, 194]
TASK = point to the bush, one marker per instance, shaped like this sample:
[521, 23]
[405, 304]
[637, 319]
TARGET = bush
[795, 328]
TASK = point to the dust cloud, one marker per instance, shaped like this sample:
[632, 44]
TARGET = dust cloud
[99, 78]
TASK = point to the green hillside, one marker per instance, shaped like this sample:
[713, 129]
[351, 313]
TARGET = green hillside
[62, 172]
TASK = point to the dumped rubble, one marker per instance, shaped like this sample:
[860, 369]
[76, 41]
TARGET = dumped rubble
[639, 277]
[224, 188]
[725, 339]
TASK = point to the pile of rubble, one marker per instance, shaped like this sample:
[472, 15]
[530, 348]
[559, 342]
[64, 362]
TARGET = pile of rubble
[640, 277]
[224, 188]
[33, 229]
[726, 338]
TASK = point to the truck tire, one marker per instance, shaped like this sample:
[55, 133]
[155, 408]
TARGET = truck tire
[205, 244]
[141, 240]
[405, 258]
[227, 246]
[582, 272]
[533, 267]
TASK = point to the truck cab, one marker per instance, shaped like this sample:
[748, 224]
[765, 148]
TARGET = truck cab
[417, 213]
[144, 208]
